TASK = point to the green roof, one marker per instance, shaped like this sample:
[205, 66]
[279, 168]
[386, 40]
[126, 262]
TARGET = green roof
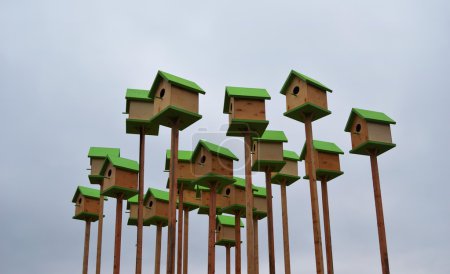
[86, 192]
[240, 182]
[174, 80]
[260, 192]
[290, 155]
[121, 163]
[158, 194]
[272, 136]
[134, 199]
[322, 146]
[227, 220]
[136, 95]
[305, 78]
[368, 115]
[183, 156]
[245, 93]
[214, 149]
[103, 152]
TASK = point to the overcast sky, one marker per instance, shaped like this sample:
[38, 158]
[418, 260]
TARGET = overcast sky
[65, 66]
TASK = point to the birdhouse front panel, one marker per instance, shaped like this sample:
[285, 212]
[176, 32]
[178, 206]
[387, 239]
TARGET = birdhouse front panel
[96, 165]
[86, 206]
[134, 211]
[325, 161]
[203, 163]
[267, 151]
[115, 177]
[185, 170]
[225, 233]
[247, 109]
[162, 96]
[359, 132]
[156, 208]
[141, 110]
[296, 94]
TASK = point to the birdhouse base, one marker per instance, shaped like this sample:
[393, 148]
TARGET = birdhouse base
[187, 183]
[204, 210]
[299, 112]
[289, 179]
[220, 180]
[190, 206]
[156, 220]
[132, 221]
[326, 174]
[379, 147]
[116, 191]
[240, 127]
[95, 179]
[232, 209]
[133, 126]
[170, 114]
[260, 214]
[224, 242]
[263, 165]
[86, 216]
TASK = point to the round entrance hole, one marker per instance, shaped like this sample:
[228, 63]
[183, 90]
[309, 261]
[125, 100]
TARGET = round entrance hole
[162, 93]
[109, 173]
[296, 90]
[150, 204]
[203, 159]
[228, 191]
[80, 200]
[358, 128]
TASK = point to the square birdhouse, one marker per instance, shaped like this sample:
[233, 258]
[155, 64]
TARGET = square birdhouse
[260, 202]
[174, 98]
[305, 95]
[246, 109]
[156, 203]
[132, 207]
[267, 151]
[87, 204]
[234, 196]
[225, 230]
[140, 110]
[97, 157]
[326, 160]
[184, 168]
[370, 132]
[289, 173]
[120, 177]
[205, 197]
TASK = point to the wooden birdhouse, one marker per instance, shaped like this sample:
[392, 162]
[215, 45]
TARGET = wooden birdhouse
[205, 196]
[185, 167]
[246, 109]
[305, 95]
[370, 131]
[174, 98]
[234, 195]
[132, 207]
[120, 177]
[260, 202]
[289, 173]
[97, 157]
[225, 230]
[156, 203]
[87, 204]
[326, 160]
[140, 110]
[267, 151]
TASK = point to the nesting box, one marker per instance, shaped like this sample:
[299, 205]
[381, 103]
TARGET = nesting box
[97, 157]
[225, 230]
[260, 202]
[140, 109]
[120, 177]
[289, 173]
[234, 196]
[87, 204]
[370, 131]
[185, 167]
[305, 95]
[205, 196]
[326, 160]
[174, 98]
[132, 207]
[267, 151]
[156, 203]
[246, 109]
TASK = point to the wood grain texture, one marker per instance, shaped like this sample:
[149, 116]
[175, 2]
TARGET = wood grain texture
[140, 219]
[255, 229]
[180, 231]
[158, 249]
[212, 229]
[118, 235]
[186, 241]
[284, 218]
[327, 227]
[228, 261]
[249, 204]
[99, 233]
[87, 236]
[270, 233]
[237, 231]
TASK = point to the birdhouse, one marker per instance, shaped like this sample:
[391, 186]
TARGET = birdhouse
[140, 109]
[260, 202]
[225, 230]
[185, 167]
[120, 177]
[246, 109]
[326, 160]
[289, 172]
[87, 204]
[267, 151]
[304, 95]
[205, 197]
[370, 131]
[156, 203]
[97, 156]
[234, 195]
[174, 98]
[132, 207]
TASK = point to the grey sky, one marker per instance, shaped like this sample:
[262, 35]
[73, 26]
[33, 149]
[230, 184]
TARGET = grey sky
[65, 66]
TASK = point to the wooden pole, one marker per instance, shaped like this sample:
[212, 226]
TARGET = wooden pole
[180, 231]
[237, 233]
[255, 230]
[212, 229]
[172, 222]
[314, 196]
[118, 235]
[228, 262]
[100, 233]
[140, 219]
[326, 225]
[284, 216]
[158, 249]
[87, 236]
[379, 211]
[270, 234]
[249, 204]
[186, 240]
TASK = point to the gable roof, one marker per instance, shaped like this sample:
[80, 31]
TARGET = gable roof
[136, 95]
[290, 155]
[133, 200]
[305, 78]
[174, 80]
[214, 149]
[103, 152]
[121, 163]
[226, 220]
[183, 156]
[160, 195]
[240, 182]
[260, 192]
[368, 115]
[322, 146]
[272, 136]
[245, 93]
[86, 192]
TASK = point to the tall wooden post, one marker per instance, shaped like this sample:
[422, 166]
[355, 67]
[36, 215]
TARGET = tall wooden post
[158, 249]
[379, 211]
[326, 225]
[249, 204]
[212, 229]
[87, 236]
[313, 193]
[228, 262]
[180, 231]
[284, 217]
[118, 235]
[270, 234]
[237, 232]
[140, 220]
[255, 230]
[186, 240]
[172, 223]
[100, 233]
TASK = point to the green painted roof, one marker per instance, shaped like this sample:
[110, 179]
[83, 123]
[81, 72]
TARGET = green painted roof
[102, 152]
[121, 163]
[183, 156]
[305, 78]
[322, 147]
[134, 199]
[368, 115]
[214, 149]
[272, 136]
[86, 192]
[174, 80]
[158, 194]
[227, 220]
[240, 182]
[290, 155]
[260, 192]
[246, 93]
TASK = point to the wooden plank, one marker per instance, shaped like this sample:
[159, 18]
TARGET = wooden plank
[237, 231]
[87, 235]
[158, 249]
[140, 219]
[270, 235]
[249, 204]
[186, 241]
[118, 235]
[326, 225]
[284, 218]
[180, 231]
[212, 229]
[255, 229]
[100, 233]
[228, 262]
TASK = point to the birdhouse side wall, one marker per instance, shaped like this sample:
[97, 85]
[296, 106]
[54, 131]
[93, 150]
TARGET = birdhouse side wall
[190, 196]
[260, 204]
[141, 110]
[91, 205]
[162, 209]
[269, 151]
[290, 168]
[184, 99]
[127, 179]
[185, 170]
[150, 211]
[316, 96]
[96, 166]
[222, 166]
[379, 132]
[361, 136]
[228, 233]
[202, 169]
[292, 100]
[161, 103]
[247, 109]
[329, 161]
[134, 211]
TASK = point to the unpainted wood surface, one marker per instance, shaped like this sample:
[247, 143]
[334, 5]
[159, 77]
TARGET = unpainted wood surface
[285, 222]
[141, 110]
[184, 99]
[359, 137]
[379, 132]
[87, 235]
[248, 109]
